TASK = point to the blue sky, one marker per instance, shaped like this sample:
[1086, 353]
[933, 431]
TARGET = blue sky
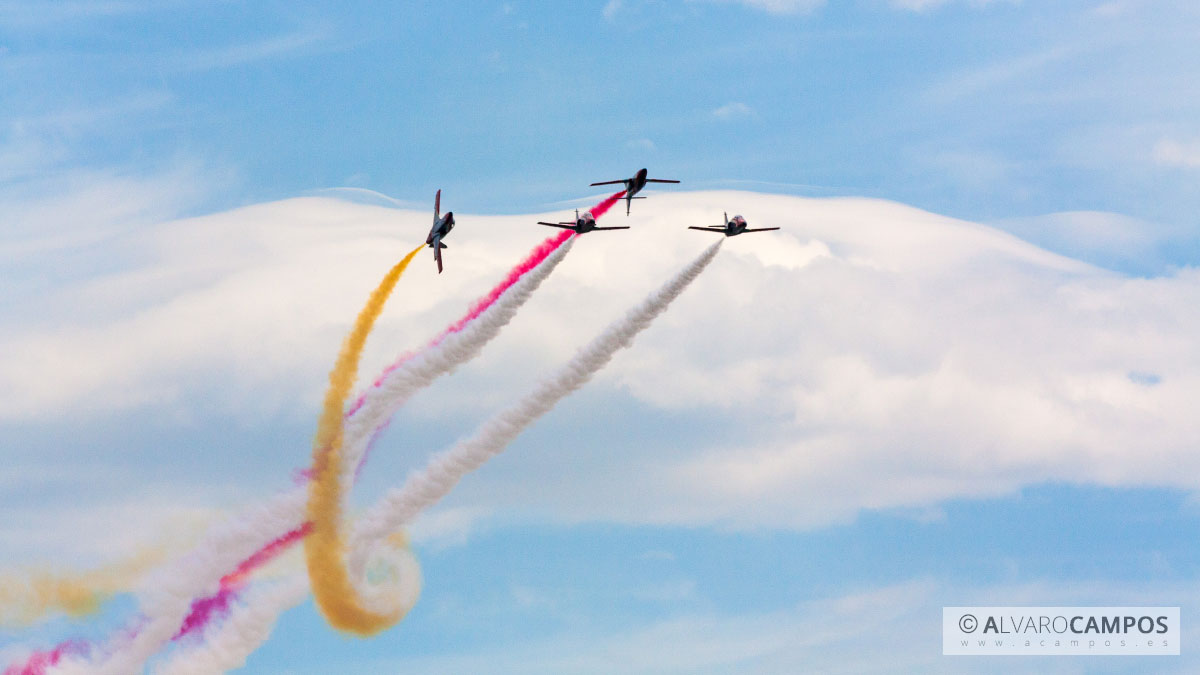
[922, 412]
[984, 111]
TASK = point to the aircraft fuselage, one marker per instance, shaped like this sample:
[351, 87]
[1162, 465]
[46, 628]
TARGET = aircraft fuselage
[441, 227]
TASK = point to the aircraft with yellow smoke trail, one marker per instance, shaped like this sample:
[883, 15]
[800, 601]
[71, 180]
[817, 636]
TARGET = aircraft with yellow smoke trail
[584, 223]
[634, 185]
[441, 227]
[732, 227]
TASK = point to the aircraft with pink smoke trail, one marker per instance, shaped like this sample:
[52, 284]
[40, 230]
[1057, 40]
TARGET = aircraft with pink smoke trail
[583, 223]
[441, 227]
[732, 227]
[634, 185]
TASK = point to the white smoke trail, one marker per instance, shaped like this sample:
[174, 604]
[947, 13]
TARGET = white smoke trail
[425, 487]
[226, 646]
[166, 598]
[382, 402]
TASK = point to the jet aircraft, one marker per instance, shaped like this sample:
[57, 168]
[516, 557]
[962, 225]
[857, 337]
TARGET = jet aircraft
[584, 223]
[441, 227]
[634, 185]
[732, 227]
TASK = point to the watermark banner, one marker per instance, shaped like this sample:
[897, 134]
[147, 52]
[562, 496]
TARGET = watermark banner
[1068, 631]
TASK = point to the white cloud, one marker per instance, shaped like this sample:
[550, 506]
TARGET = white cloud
[783, 6]
[892, 629]
[1173, 153]
[869, 355]
[611, 8]
[734, 110]
[968, 83]
[641, 145]
[1108, 239]
[926, 5]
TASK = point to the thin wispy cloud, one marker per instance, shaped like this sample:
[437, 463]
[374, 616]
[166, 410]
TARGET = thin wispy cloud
[734, 111]
[782, 6]
[1173, 153]
[250, 52]
[927, 5]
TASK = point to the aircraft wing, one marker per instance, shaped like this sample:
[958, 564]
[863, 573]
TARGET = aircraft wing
[437, 252]
[565, 226]
[611, 228]
[708, 229]
[609, 182]
[660, 180]
[759, 229]
[437, 206]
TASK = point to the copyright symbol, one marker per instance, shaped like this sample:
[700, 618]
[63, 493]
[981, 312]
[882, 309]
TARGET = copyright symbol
[967, 623]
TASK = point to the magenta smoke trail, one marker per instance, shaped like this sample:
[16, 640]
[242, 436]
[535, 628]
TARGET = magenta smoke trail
[40, 661]
[603, 207]
[205, 609]
[535, 257]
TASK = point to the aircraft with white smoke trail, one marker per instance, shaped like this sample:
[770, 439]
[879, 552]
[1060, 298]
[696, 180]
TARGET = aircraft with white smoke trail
[732, 227]
[634, 185]
[441, 227]
[583, 223]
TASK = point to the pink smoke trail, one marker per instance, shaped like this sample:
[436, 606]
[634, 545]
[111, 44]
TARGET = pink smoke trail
[535, 257]
[205, 609]
[603, 207]
[40, 661]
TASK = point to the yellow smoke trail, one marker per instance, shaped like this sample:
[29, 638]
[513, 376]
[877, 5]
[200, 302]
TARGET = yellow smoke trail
[26, 599]
[324, 547]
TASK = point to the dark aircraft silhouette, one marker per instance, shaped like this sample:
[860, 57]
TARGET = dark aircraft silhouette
[441, 227]
[733, 227]
[584, 223]
[634, 185]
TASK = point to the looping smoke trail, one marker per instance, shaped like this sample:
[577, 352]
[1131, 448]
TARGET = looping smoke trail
[168, 601]
[444, 354]
[164, 608]
[336, 594]
[425, 487]
[227, 646]
[331, 585]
